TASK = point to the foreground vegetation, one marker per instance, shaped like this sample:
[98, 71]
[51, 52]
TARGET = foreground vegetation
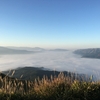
[31, 73]
[55, 88]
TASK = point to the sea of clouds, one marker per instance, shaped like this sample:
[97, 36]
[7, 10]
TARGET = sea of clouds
[53, 60]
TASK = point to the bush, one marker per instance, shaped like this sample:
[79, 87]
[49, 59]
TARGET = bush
[56, 88]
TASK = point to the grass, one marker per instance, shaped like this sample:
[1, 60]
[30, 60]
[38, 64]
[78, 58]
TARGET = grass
[54, 88]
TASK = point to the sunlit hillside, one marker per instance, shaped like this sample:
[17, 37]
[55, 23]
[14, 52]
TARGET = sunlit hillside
[55, 88]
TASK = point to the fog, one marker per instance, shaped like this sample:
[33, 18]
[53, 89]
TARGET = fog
[53, 60]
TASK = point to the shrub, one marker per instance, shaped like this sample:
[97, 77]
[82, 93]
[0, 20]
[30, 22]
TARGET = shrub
[55, 88]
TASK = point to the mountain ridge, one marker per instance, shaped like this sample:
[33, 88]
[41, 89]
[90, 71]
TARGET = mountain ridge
[5, 50]
[31, 73]
[89, 53]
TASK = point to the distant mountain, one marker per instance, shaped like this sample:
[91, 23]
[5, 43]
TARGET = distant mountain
[31, 73]
[58, 50]
[89, 53]
[37, 49]
[27, 48]
[5, 50]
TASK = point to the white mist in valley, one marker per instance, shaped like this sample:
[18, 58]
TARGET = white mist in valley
[53, 60]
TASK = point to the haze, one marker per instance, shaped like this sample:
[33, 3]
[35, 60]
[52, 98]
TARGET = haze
[67, 24]
[52, 60]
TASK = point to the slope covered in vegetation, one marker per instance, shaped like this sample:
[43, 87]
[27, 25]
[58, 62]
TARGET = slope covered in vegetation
[89, 53]
[55, 88]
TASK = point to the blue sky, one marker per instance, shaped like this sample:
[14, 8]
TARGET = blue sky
[50, 23]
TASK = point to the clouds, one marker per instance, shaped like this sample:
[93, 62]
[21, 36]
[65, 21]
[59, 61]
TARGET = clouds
[61, 61]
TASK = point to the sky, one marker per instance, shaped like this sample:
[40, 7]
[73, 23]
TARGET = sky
[50, 23]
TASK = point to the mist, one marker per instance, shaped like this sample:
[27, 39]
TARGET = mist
[53, 60]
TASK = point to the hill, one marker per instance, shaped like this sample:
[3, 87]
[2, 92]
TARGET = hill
[27, 48]
[89, 53]
[12, 49]
[5, 50]
[31, 73]
[58, 50]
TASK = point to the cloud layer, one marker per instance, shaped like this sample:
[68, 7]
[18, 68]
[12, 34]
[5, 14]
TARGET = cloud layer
[62, 61]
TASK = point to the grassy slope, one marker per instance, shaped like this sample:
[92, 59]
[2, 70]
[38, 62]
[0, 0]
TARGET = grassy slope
[55, 88]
